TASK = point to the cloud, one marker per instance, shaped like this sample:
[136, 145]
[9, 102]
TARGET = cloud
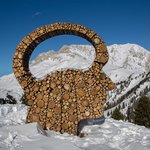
[36, 14]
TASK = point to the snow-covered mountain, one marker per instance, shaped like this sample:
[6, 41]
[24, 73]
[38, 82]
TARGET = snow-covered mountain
[124, 60]
[128, 67]
[129, 56]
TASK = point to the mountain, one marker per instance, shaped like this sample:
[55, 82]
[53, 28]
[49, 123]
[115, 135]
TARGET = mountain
[126, 60]
[132, 78]
[111, 135]
[128, 67]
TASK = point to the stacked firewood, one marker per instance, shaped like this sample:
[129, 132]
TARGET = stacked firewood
[64, 97]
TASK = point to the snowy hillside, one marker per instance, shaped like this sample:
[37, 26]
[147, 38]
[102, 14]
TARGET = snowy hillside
[124, 61]
[128, 67]
[112, 135]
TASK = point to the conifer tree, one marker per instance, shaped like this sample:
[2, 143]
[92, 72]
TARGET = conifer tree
[142, 112]
[108, 113]
[123, 105]
[117, 114]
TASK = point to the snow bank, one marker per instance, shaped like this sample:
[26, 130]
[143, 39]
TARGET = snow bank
[12, 114]
[112, 135]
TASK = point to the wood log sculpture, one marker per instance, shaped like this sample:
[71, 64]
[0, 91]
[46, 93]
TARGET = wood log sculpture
[64, 97]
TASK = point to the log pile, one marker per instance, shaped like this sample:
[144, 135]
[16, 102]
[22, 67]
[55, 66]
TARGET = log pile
[63, 98]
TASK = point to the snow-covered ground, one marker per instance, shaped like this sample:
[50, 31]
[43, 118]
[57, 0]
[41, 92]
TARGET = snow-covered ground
[12, 114]
[112, 135]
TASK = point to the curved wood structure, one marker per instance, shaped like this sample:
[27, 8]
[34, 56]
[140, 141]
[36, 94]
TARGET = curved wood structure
[64, 97]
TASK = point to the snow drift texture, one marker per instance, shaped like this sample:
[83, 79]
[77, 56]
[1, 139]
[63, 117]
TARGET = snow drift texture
[112, 135]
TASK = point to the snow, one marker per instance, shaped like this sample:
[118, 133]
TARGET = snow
[125, 60]
[111, 135]
[12, 114]
[129, 56]
[67, 57]
[9, 84]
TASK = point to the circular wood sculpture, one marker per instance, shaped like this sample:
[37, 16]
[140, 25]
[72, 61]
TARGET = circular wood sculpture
[65, 97]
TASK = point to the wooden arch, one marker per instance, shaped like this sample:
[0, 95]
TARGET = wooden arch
[62, 98]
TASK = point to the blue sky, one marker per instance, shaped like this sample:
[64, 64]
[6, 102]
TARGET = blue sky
[116, 22]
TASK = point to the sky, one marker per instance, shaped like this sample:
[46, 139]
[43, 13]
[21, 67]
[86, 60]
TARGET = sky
[115, 21]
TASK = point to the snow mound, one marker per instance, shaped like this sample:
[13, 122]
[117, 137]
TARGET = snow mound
[12, 114]
[112, 135]
[9, 85]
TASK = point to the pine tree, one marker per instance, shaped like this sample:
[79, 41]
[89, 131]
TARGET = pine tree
[108, 113]
[142, 112]
[129, 114]
[117, 114]
[123, 105]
